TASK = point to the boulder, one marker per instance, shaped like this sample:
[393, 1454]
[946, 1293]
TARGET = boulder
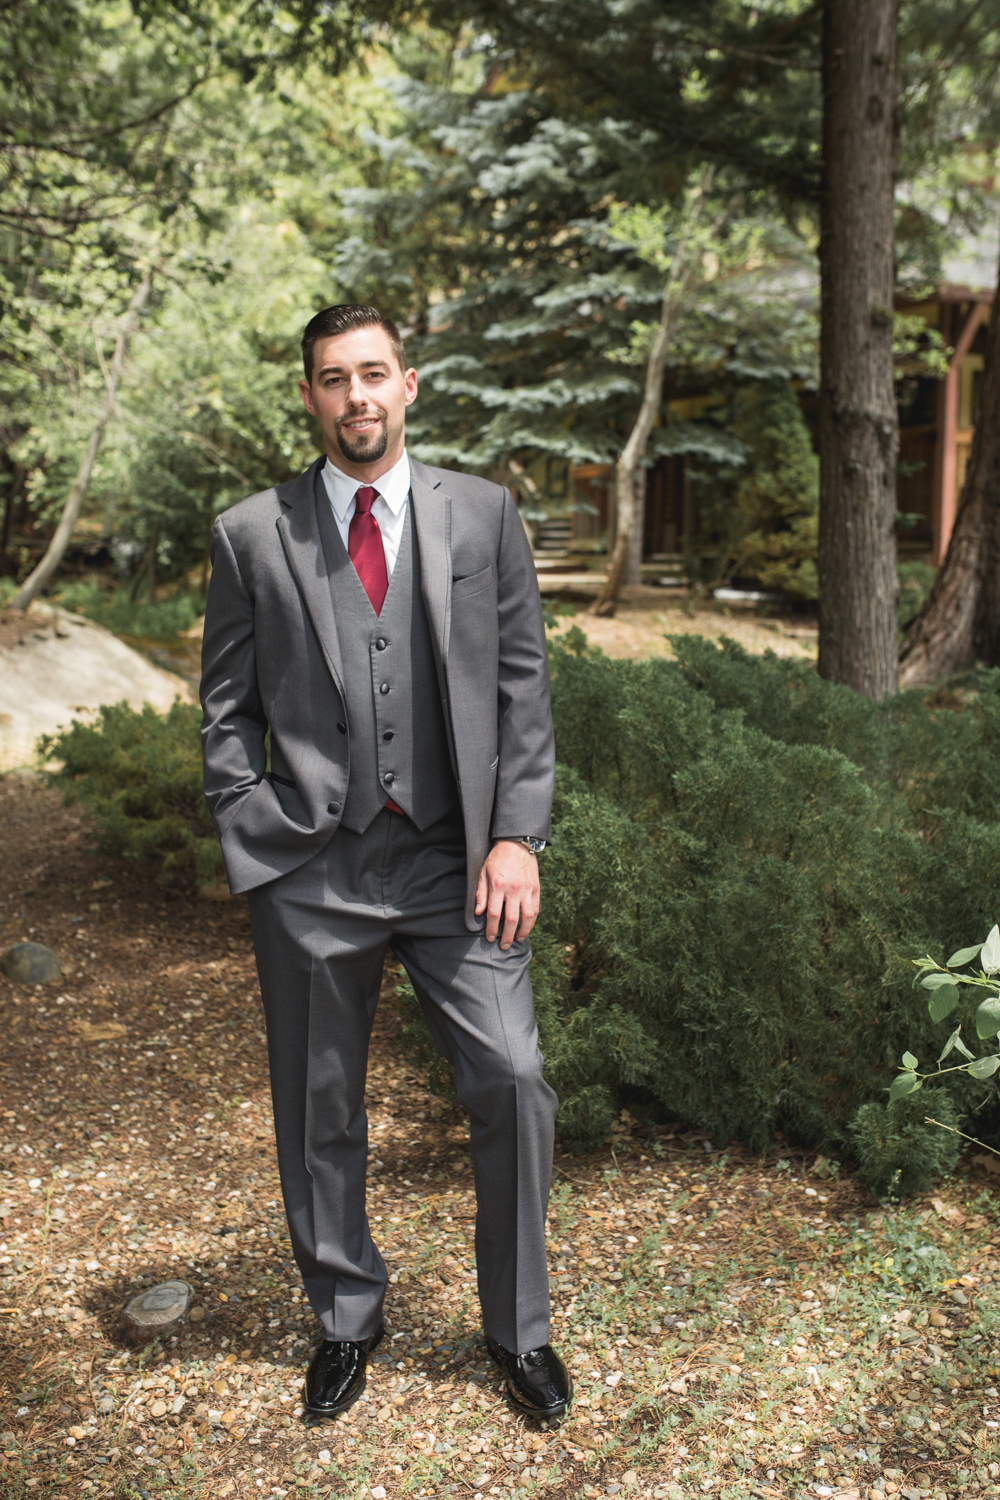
[31, 963]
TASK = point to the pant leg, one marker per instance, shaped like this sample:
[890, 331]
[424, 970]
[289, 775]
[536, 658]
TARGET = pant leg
[320, 941]
[478, 1003]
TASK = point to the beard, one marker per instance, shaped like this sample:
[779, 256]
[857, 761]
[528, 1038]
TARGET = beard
[366, 448]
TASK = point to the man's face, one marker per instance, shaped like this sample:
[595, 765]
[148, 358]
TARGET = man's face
[359, 396]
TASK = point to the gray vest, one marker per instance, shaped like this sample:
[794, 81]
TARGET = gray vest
[399, 746]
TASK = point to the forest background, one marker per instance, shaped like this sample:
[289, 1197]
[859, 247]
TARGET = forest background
[535, 198]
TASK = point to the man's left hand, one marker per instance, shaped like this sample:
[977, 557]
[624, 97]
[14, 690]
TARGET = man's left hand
[508, 887]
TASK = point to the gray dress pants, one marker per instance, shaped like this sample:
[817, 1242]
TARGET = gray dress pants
[320, 934]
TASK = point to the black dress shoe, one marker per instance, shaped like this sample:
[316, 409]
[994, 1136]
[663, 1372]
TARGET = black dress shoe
[538, 1383]
[336, 1376]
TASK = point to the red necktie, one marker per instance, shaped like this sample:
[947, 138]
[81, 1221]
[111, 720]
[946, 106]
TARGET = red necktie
[364, 543]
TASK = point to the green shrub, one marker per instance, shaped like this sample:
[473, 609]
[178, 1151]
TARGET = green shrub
[897, 1153]
[744, 860]
[139, 774]
[117, 611]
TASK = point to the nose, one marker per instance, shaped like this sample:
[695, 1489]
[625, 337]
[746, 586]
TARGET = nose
[356, 392]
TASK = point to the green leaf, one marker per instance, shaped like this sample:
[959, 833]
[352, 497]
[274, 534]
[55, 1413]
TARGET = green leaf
[990, 951]
[906, 1083]
[988, 1017]
[963, 956]
[963, 1048]
[950, 1043]
[909, 1061]
[938, 981]
[983, 1067]
[943, 1002]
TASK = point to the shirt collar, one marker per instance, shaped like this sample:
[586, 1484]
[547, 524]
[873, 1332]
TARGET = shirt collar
[393, 486]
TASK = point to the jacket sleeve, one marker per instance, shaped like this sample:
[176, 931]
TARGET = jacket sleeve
[233, 727]
[526, 766]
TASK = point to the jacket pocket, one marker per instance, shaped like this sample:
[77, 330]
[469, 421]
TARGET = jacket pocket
[283, 780]
[474, 583]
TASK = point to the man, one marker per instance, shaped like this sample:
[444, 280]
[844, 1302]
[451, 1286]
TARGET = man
[381, 620]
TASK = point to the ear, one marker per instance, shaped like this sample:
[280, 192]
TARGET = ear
[305, 391]
[410, 381]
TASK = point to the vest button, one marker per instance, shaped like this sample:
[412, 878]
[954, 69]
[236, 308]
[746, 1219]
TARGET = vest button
[342, 728]
[333, 807]
[380, 644]
[384, 688]
[388, 734]
[388, 778]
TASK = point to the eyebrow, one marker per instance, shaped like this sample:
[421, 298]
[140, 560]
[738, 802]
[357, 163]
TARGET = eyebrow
[366, 364]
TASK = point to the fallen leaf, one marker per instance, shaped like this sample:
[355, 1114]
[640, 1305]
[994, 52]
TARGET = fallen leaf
[97, 1031]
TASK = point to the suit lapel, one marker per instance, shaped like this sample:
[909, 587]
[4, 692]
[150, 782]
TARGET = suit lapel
[298, 529]
[432, 524]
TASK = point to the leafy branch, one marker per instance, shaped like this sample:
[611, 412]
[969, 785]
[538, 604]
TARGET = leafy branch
[944, 983]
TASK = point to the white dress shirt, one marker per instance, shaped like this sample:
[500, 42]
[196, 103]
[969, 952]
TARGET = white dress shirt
[389, 509]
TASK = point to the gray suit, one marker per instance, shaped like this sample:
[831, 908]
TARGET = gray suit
[442, 702]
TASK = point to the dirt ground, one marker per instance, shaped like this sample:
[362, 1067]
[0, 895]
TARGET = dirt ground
[646, 616]
[733, 1325]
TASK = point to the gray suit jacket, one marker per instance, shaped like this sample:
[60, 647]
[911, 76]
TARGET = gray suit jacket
[271, 660]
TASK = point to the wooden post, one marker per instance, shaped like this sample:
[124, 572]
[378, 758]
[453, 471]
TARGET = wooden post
[946, 499]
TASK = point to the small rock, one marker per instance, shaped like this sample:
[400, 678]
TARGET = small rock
[612, 1488]
[158, 1310]
[106, 1405]
[31, 963]
[196, 1315]
[158, 1409]
[959, 1297]
[938, 1320]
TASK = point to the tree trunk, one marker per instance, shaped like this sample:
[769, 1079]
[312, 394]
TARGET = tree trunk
[56, 549]
[633, 562]
[961, 620]
[859, 427]
[151, 550]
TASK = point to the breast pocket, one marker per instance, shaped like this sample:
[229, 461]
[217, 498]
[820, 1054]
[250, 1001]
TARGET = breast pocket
[474, 583]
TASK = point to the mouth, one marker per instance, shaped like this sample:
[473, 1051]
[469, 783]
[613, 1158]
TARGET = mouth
[361, 424]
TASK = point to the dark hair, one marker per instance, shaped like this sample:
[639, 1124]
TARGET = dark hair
[344, 318]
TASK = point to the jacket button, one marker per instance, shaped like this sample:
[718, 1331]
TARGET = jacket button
[388, 734]
[342, 728]
[380, 644]
[388, 778]
[333, 807]
[384, 688]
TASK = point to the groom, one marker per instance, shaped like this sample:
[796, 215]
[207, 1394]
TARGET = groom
[381, 621]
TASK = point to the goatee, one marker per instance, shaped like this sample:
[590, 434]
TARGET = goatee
[367, 449]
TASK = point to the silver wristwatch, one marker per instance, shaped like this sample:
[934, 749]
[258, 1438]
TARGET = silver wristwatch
[533, 845]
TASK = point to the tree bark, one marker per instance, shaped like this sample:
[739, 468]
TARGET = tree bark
[859, 427]
[56, 549]
[961, 620]
[633, 562]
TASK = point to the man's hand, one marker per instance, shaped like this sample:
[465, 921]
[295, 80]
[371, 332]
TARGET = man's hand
[508, 883]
